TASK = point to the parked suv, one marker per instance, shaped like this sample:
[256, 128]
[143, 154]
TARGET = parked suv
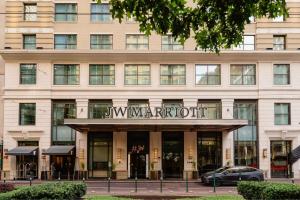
[231, 175]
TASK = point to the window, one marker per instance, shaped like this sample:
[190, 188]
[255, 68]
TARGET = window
[100, 13]
[168, 43]
[245, 138]
[172, 108]
[65, 12]
[248, 43]
[101, 41]
[27, 114]
[29, 41]
[138, 108]
[209, 110]
[30, 12]
[137, 75]
[66, 74]
[137, 42]
[208, 74]
[278, 19]
[62, 134]
[282, 114]
[99, 109]
[102, 74]
[242, 75]
[63, 41]
[278, 42]
[172, 74]
[28, 74]
[281, 74]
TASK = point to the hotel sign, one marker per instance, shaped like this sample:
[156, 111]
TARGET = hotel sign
[157, 112]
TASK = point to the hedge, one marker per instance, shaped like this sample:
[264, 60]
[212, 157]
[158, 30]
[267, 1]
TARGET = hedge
[253, 190]
[6, 187]
[57, 190]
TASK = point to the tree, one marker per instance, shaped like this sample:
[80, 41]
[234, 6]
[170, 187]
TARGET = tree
[214, 24]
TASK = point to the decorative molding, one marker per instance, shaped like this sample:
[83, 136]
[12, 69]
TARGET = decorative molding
[277, 30]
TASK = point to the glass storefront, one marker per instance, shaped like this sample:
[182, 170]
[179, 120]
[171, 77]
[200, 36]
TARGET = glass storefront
[209, 151]
[100, 155]
[245, 138]
[172, 148]
[138, 153]
[280, 152]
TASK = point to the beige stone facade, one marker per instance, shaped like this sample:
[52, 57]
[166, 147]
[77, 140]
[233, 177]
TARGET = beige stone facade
[264, 92]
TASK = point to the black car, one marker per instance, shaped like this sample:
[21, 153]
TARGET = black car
[231, 175]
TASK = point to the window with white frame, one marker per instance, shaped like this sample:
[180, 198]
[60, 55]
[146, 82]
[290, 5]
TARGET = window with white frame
[65, 12]
[137, 42]
[169, 43]
[65, 41]
[101, 41]
[30, 12]
[100, 12]
[279, 42]
[247, 44]
[281, 74]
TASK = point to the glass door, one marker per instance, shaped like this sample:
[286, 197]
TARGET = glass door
[138, 149]
[209, 151]
[172, 162]
[280, 151]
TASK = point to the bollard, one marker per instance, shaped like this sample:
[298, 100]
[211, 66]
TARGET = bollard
[83, 179]
[214, 181]
[161, 184]
[58, 176]
[135, 184]
[30, 181]
[293, 181]
[240, 178]
[108, 185]
[186, 182]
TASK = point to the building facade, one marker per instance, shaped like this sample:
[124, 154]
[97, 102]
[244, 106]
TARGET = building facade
[87, 96]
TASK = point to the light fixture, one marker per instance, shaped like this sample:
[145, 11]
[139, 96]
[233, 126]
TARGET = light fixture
[265, 153]
[119, 155]
[190, 153]
[155, 154]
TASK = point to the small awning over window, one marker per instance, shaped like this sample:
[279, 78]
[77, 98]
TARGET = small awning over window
[60, 150]
[295, 155]
[23, 150]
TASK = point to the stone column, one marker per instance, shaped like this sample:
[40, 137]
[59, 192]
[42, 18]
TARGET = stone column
[81, 138]
[227, 137]
[155, 154]
[120, 154]
[190, 154]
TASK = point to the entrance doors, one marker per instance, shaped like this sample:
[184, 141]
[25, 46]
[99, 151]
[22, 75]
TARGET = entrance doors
[138, 151]
[280, 167]
[172, 162]
[209, 151]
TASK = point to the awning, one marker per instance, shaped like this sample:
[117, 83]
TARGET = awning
[60, 150]
[295, 155]
[23, 150]
[83, 125]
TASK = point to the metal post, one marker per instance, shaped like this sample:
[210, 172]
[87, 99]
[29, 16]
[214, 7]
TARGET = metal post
[240, 178]
[186, 182]
[108, 185]
[58, 176]
[135, 184]
[214, 181]
[161, 183]
[30, 181]
[83, 179]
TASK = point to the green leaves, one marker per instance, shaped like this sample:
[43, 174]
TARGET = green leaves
[215, 24]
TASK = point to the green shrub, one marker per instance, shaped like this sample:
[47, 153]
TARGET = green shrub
[251, 190]
[59, 190]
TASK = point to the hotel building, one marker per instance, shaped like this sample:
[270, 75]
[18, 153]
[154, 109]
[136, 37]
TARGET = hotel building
[87, 96]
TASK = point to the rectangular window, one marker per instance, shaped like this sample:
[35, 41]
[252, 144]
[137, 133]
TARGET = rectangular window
[101, 41]
[137, 75]
[209, 109]
[30, 12]
[281, 74]
[282, 114]
[208, 74]
[278, 42]
[172, 74]
[66, 74]
[169, 43]
[28, 74]
[102, 74]
[27, 114]
[137, 108]
[65, 12]
[248, 43]
[100, 12]
[99, 109]
[65, 41]
[62, 134]
[29, 41]
[172, 108]
[137, 42]
[242, 74]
